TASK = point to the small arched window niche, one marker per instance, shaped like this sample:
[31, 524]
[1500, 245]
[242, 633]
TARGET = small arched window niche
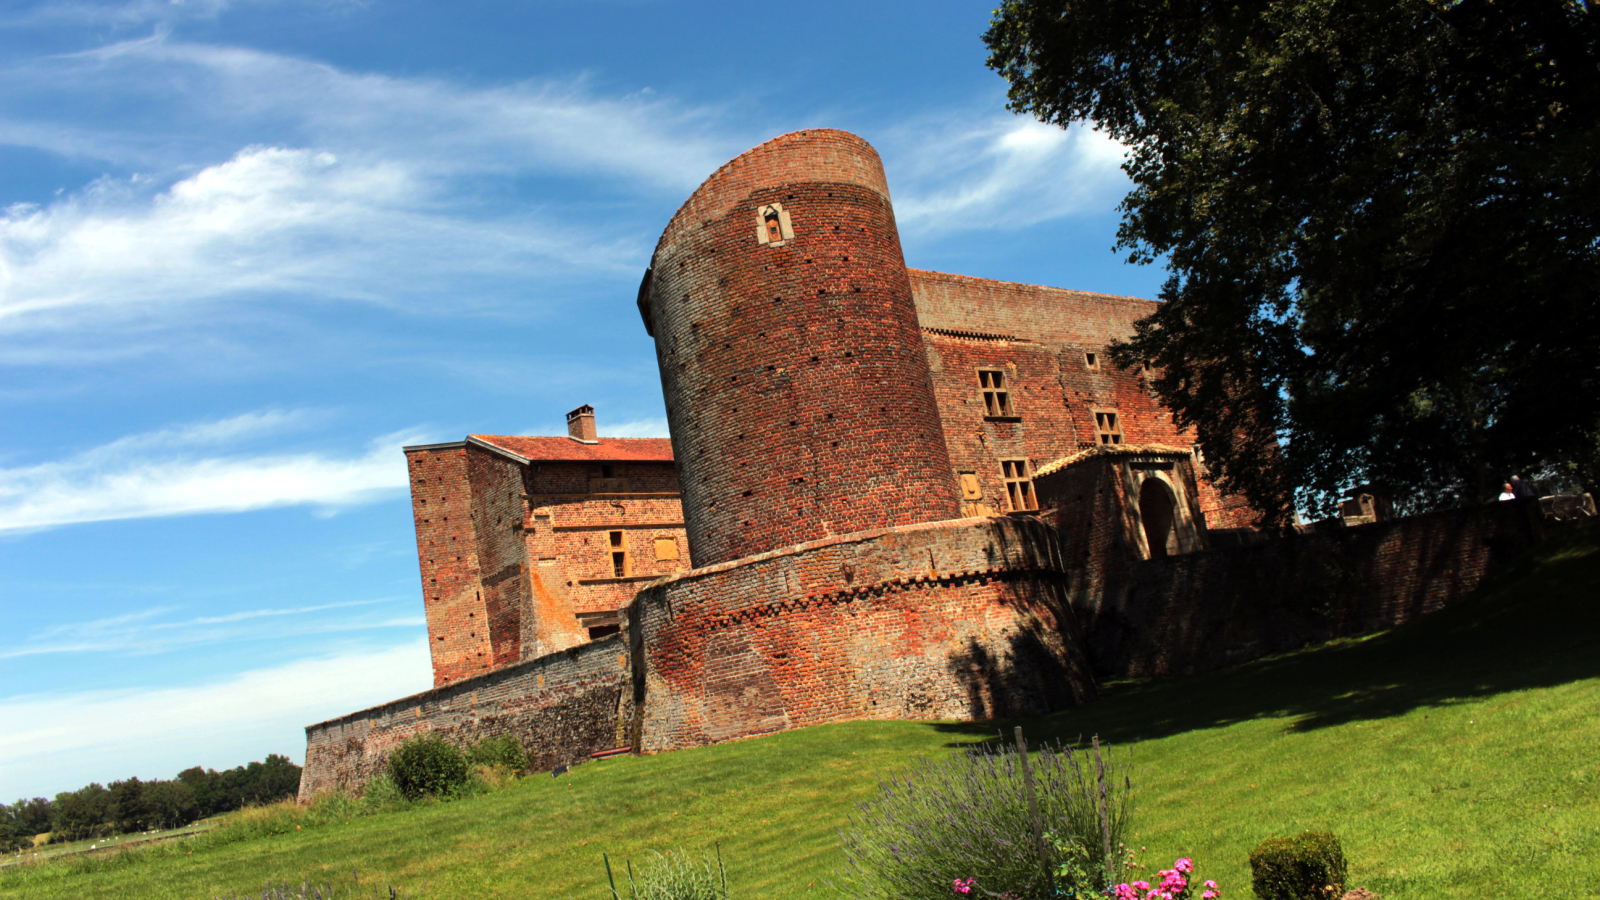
[773, 228]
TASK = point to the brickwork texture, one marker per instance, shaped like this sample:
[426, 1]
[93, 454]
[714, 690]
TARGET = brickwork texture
[1201, 611]
[957, 619]
[799, 403]
[562, 707]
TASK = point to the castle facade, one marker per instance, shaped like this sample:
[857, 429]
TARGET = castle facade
[888, 493]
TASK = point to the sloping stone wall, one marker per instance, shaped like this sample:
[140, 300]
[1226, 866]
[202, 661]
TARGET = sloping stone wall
[1202, 611]
[562, 707]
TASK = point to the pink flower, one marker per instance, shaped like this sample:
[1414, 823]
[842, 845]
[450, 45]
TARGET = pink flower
[1208, 895]
[1184, 865]
[963, 887]
[1141, 885]
[1211, 884]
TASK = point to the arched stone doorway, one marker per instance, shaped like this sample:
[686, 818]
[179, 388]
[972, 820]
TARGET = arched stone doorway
[1157, 508]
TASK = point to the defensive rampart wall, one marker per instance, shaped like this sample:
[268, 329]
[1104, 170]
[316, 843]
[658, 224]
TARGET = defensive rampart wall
[958, 619]
[562, 707]
[1202, 611]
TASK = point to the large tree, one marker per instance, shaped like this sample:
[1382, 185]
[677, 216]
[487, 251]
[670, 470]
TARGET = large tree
[1381, 218]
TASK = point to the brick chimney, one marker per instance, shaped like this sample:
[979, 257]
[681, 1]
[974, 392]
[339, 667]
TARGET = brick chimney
[580, 425]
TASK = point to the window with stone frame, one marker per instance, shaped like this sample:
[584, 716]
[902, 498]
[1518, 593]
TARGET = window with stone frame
[617, 547]
[773, 227]
[1018, 476]
[1107, 427]
[996, 393]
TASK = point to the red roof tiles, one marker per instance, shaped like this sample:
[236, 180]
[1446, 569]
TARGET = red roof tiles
[563, 449]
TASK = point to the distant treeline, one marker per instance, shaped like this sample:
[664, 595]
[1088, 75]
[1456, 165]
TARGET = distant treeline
[134, 805]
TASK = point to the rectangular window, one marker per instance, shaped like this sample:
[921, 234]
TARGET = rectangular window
[1092, 360]
[617, 545]
[1019, 484]
[996, 394]
[1107, 430]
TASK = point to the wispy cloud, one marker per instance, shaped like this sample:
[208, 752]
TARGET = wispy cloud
[173, 94]
[124, 14]
[163, 474]
[156, 630]
[57, 742]
[999, 172]
[655, 427]
[131, 14]
[270, 220]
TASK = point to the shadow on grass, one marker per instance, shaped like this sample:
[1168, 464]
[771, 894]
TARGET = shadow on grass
[1534, 624]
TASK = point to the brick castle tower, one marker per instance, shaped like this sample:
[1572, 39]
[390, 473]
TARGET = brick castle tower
[796, 387]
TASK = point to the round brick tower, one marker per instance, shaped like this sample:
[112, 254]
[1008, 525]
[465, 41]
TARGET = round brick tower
[797, 389]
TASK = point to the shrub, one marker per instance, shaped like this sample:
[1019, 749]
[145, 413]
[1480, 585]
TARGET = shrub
[1307, 866]
[968, 818]
[503, 751]
[678, 876]
[427, 765]
[381, 794]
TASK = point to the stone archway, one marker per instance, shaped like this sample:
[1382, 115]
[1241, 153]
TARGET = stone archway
[1158, 512]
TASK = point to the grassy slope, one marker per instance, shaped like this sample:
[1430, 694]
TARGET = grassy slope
[1454, 757]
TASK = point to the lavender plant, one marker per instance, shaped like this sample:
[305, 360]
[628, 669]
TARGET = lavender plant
[676, 875]
[967, 820]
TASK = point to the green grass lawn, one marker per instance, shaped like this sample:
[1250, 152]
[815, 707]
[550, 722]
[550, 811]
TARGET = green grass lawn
[1456, 757]
[72, 848]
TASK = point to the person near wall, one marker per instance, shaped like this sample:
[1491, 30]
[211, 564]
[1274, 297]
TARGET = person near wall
[1521, 489]
[1508, 492]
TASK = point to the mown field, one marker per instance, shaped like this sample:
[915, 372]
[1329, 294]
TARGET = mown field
[1457, 757]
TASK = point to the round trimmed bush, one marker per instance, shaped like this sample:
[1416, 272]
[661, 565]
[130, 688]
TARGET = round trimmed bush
[1307, 866]
[427, 764]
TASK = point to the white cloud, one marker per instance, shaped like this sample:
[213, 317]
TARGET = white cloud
[57, 742]
[1003, 172]
[137, 13]
[153, 631]
[159, 474]
[639, 428]
[269, 220]
[175, 94]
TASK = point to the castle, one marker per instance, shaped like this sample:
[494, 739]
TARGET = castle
[888, 493]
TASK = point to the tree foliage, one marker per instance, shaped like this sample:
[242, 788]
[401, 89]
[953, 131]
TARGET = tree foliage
[1381, 218]
[133, 805]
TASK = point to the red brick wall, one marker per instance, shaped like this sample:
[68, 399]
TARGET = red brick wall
[497, 517]
[963, 619]
[1027, 311]
[1202, 611]
[562, 708]
[441, 505]
[1040, 337]
[571, 509]
[795, 385]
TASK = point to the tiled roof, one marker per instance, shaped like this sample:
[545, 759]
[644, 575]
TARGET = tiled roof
[561, 449]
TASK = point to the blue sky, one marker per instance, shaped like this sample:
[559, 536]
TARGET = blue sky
[250, 249]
